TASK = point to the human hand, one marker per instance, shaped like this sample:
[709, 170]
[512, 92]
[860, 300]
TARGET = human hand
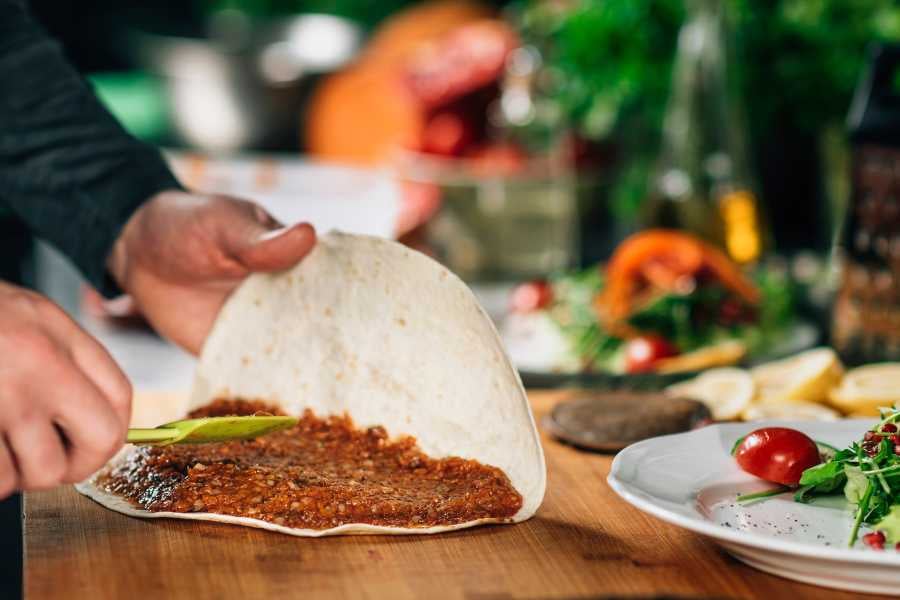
[180, 256]
[64, 403]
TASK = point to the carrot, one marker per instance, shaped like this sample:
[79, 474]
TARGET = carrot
[663, 259]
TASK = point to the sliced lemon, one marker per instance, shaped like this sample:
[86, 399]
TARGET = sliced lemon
[717, 355]
[865, 413]
[791, 411]
[726, 391]
[805, 377]
[866, 389]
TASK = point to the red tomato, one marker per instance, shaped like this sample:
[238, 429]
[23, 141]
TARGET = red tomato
[777, 454]
[531, 296]
[641, 353]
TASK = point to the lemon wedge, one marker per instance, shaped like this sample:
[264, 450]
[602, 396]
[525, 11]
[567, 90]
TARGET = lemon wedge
[805, 377]
[866, 389]
[717, 355]
[725, 391]
[791, 411]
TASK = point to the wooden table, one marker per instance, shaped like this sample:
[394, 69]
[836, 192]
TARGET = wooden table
[584, 542]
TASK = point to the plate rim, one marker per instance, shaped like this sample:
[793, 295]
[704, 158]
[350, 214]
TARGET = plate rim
[718, 532]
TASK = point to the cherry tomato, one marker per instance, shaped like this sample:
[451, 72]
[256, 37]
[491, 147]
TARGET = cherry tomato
[531, 296]
[642, 353]
[777, 454]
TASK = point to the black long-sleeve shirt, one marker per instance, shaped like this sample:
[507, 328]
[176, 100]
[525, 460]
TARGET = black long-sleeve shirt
[67, 169]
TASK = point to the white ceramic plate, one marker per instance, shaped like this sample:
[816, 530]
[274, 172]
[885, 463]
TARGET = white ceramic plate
[690, 480]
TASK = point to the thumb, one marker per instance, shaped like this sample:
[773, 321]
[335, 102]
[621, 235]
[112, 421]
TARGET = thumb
[278, 249]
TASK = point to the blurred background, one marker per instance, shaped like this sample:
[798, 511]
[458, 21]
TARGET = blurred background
[511, 140]
[560, 99]
[520, 142]
[523, 141]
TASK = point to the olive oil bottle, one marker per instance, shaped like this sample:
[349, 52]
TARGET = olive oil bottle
[703, 182]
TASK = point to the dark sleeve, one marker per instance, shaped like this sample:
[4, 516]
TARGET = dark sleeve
[67, 168]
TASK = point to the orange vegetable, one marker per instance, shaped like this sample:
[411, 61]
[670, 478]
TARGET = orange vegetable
[663, 260]
[417, 62]
[362, 116]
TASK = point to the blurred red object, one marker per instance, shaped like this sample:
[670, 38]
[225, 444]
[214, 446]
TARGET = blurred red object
[469, 58]
[424, 83]
[447, 133]
[642, 353]
[531, 296]
[419, 202]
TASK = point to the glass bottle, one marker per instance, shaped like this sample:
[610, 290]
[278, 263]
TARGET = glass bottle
[865, 324]
[702, 182]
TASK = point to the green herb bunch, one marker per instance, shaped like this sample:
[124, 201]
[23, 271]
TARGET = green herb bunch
[608, 68]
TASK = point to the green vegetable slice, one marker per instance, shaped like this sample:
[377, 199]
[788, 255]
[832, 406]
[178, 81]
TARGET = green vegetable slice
[890, 526]
[747, 498]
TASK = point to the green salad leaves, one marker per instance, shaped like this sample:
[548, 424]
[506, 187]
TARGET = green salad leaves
[868, 473]
[705, 316]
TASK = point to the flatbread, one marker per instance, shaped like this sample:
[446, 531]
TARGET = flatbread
[369, 327]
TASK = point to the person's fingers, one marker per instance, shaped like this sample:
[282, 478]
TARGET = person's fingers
[94, 362]
[278, 249]
[9, 477]
[263, 217]
[418, 204]
[101, 369]
[38, 451]
[92, 428]
[120, 307]
[253, 241]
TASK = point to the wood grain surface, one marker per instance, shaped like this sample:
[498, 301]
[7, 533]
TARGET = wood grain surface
[584, 542]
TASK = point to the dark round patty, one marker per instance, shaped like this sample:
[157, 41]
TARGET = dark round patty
[609, 421]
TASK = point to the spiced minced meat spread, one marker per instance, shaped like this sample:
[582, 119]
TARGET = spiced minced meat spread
[321, 473]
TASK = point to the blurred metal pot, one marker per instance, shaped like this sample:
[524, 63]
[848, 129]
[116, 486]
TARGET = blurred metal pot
[245, 85]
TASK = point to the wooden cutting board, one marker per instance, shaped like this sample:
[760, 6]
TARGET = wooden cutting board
[583, 542]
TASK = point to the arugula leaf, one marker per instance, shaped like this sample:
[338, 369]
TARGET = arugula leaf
[824, 478]
[804, 494]
[862, 510]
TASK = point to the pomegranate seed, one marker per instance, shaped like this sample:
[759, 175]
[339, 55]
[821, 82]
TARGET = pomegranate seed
[895, 439]
[897, 546]
[870, 436]
[870, 448]
[889, 427]
[897, 449]
[874, 540]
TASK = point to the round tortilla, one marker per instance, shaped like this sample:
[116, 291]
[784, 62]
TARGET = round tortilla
[368, 327]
